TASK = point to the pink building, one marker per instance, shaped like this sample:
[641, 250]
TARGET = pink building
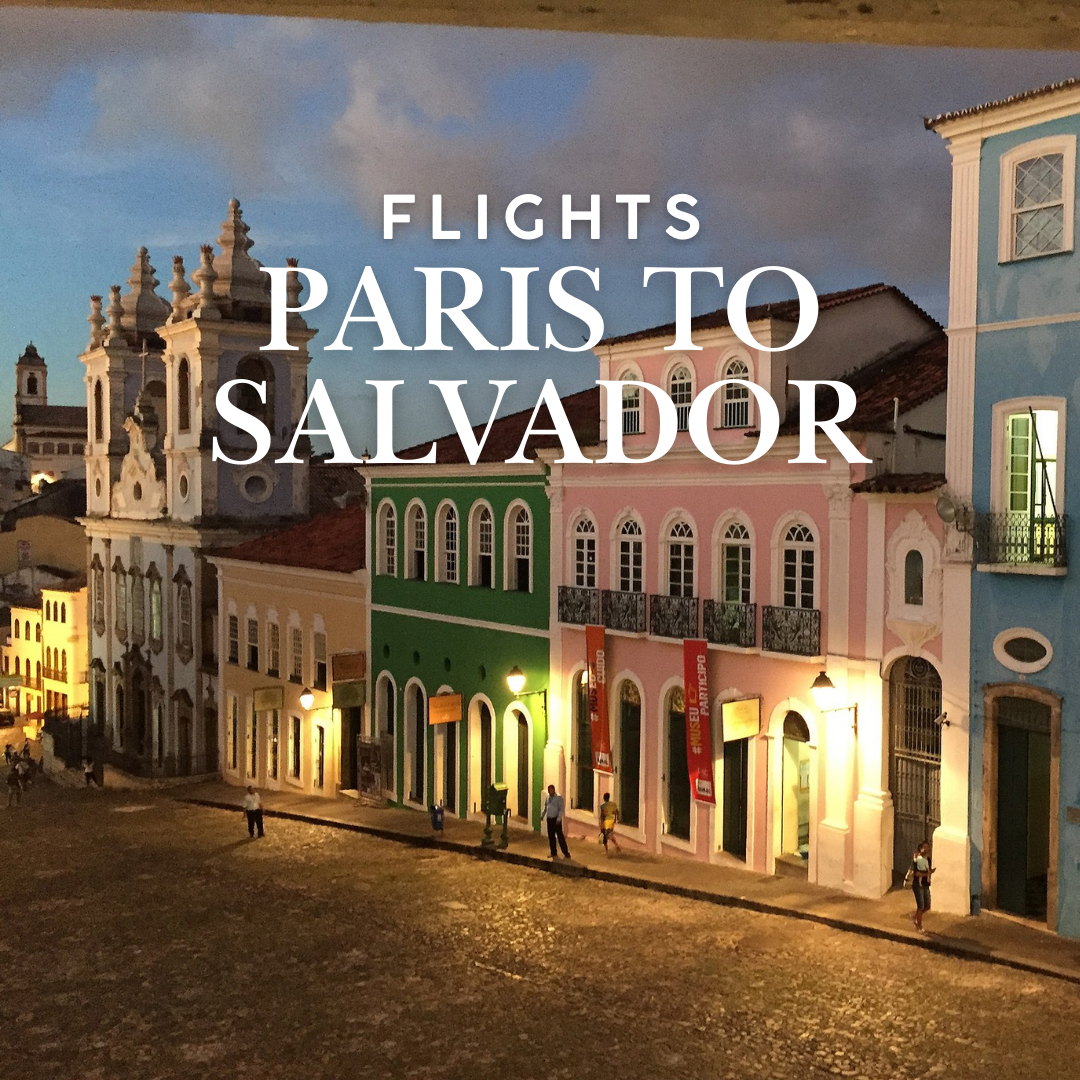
[787, 570]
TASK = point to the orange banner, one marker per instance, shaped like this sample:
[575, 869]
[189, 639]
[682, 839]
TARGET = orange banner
[698, 728]
[598, 713]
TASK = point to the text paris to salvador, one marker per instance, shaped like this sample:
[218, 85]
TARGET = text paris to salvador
[285, 301]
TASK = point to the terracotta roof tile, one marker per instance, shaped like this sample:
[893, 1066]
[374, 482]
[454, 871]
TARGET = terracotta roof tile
[900, 484]
[932, 122]
[335, 541]
[582, 410]
[783, 310]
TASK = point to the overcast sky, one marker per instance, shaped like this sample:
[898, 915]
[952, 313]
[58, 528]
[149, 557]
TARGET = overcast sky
[121, 129]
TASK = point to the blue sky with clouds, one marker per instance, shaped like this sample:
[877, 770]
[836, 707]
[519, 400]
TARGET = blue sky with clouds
[121, 129]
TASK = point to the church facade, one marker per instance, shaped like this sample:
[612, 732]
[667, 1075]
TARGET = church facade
[157, 501]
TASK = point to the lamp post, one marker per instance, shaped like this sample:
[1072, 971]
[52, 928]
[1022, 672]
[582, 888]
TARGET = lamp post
[307, 699]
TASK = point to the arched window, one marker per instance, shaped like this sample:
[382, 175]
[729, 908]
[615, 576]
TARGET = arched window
[631, 407]
[387, 533]
[736, 560]
[155, 609]
[416, 539]
[447, 562]
[138, 608]
[681, 560]
[585, 554]
[99, 412]
[681, 391]
[31, 384]
[183, 608]
[519, 545]
[736, 398]
[26, 629]
[120, 579]
[99, 595]
[257, 370]
[37, 632]
[913, 577]
[482, 542]
[17, 625]
[799, 567]
[183, 396]
[63, 613]
[631, 557]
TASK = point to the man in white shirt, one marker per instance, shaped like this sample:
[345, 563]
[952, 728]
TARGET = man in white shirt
[253, 809]
[552, 816]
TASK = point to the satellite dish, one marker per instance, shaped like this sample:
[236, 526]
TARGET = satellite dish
[946, 509]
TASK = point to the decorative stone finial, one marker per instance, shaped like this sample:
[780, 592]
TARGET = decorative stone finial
[115, 312]
[293, 285]
[240, 277]
[179, 288]
[144, 310]
[97, 322]
[204, 277]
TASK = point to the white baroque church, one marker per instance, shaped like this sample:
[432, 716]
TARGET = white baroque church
[157, 503]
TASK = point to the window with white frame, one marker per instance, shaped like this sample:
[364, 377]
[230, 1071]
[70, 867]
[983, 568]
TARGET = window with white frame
[799, 567]
[736, 398]
[1029, 487]
[585, 554]
[273, 648]
[631, 551]
[296, 673]
[416, 541]
[253, 644]
[483, 573]
[447, 559]
[155, 606]
[631, 407]
[735, 556]
[913, 577]
[99, 595]
[138, 608]
[681, 391]
[234, 639]
[519, 544]
[120, 578]
[680, 551]
[387, 534]
[183, 614]
[1037, 195]
[318, 648]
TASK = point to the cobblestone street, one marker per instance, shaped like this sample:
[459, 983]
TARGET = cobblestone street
[147, 938]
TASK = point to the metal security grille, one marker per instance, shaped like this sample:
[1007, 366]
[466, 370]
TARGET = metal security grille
[915, 762]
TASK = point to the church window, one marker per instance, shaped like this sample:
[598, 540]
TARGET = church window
[155, 609]
[183, 607]
[99, 413]
[31, 384]
[183, 396]
[138, 608]
[121, 601]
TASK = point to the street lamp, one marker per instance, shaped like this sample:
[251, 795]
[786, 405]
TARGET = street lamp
[307, 699]
[827, 699]
[515, 679]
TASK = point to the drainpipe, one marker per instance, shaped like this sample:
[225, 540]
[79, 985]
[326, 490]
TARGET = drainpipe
[895, 428]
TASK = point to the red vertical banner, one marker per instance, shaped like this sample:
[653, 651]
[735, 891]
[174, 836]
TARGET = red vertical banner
[598, 711]
[698, 728]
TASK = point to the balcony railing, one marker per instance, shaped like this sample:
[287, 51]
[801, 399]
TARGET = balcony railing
[57, 674]
[623, 611]
[579, 606]
[1020, 539]
[791, 630]
[730, 624]
[31, 682]
[673, 616]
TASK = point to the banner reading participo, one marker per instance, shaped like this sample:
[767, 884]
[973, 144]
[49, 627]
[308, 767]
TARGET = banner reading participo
[598, 712]
[698, 728]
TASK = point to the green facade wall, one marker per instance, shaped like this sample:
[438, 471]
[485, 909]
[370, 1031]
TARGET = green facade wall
[423, 639]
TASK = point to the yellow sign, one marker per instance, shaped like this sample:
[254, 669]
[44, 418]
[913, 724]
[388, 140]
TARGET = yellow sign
[269, 697]
[740, 719]
[444, 709]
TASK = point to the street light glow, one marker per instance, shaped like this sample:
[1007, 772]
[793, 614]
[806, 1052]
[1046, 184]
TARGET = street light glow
[307, 698]
[515, 679]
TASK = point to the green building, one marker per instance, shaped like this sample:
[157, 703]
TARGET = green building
[460, 596]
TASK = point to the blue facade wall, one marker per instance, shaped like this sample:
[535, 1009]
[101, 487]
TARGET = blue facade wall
[1037, 360]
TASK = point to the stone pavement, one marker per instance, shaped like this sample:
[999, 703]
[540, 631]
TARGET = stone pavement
[992, 938]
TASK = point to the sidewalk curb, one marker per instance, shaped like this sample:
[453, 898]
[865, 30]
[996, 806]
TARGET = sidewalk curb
[930, 944]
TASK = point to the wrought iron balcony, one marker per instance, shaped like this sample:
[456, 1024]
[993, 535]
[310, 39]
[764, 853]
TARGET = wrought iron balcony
[730, 624]
[791, 630]
[1020, 539]
[624, 611]
[673, 616]
[579, 606]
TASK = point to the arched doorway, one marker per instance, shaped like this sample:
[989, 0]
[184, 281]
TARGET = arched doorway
[795, 791]
[676, 770]
[629, 763]
[915, 756]
[1021, 793]
[415, 743]
[450, 766]
[583, 795]
[385, 730]
[481, 753]
[517, 762]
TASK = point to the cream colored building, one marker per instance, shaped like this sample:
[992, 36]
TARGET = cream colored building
[46, 648]
[294, 620]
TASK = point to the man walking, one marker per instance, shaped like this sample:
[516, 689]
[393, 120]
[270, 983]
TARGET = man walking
[253, 809]
[609, 816]
[552, 815]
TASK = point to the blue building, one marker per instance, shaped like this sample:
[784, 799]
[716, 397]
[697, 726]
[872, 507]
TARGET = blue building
[1014, 480]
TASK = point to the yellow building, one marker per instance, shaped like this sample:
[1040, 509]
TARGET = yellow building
[46, 649]
[293, 655]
